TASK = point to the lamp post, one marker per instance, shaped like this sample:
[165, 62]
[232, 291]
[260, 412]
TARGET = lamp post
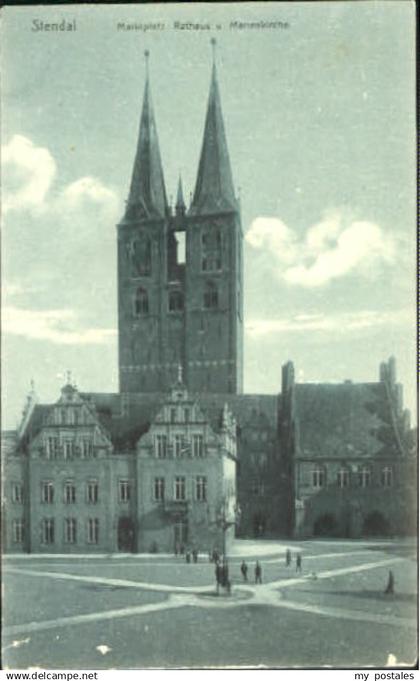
[224, 523]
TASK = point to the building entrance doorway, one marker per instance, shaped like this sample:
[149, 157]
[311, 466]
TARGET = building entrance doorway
[126, 535]
[259, 525]
[375, 525]
[180, 535]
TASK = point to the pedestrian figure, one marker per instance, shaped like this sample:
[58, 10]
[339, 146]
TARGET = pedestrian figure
[390, 586]
[195, 555]
[288, 558]
[258, 573]
[244, 570]
[182, 549]
[218, 573]
[298, 563]
[176, 548]
[188, 556]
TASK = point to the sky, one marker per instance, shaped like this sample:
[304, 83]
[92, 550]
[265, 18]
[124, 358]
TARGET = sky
[320, 120]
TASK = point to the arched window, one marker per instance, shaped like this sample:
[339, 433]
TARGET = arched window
[140, 252]
[318, 476]
[211, 250]
[141, 303]
[343, 477]
[211, 298]
[365, 476]
[175, 301]
[386, 476]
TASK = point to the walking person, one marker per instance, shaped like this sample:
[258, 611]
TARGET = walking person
[299, 563]
[244, 570]
[288, 558]
[258, 573]
[195, 555]
[218, 575]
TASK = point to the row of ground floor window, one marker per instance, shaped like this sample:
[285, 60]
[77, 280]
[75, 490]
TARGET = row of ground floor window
[160, 490]
[48, 529]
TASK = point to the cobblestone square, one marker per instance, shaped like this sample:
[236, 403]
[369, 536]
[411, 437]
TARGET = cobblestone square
[137, 611]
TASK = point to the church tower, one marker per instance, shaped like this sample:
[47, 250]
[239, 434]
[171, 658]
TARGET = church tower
[179, 310]
[214, 276]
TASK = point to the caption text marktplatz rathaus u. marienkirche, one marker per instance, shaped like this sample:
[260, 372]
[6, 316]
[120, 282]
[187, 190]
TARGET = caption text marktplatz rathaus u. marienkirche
[180, 453]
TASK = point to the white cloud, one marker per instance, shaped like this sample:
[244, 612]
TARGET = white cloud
[88, 189]
[61, 327]
[330, 249]
[28, 172]
[343, 323]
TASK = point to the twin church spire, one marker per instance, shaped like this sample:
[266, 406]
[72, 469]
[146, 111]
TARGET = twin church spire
[214, 190]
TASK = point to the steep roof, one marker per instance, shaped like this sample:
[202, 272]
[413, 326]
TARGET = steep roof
[214, 190]
[127, 416]
[343, 420]
[147, 196]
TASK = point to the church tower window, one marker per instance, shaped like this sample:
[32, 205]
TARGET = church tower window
[211, 296]
[176, 301]
[140, 253]
[141, 303]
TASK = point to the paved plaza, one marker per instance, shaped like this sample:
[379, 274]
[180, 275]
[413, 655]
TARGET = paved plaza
[136, 611]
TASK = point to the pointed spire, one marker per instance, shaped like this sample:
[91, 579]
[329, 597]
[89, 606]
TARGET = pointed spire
[147, 197]
[214, 190]
[180, 203]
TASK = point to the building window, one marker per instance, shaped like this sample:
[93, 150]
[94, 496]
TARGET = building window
[211, 247]
[70, 530]
[201, 488]
[141, 302]
[124, 490]
[17, 531]
[47, 492]
[386, 476]
[179, 489]
[176, 301]
[17, 493]
[47, 527]
[178, 446]
[186, 415]
[198, 446]
[86, 448]
[52, 447]
[318, 476]
[93, 531]
[258, 489]
[68, 449]
[69, 493]
[161, 446]
[365, 476]
[92, 492]
[172, 415]
[159, 489]
[140, 253]
[211, 298]
[343, 477]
